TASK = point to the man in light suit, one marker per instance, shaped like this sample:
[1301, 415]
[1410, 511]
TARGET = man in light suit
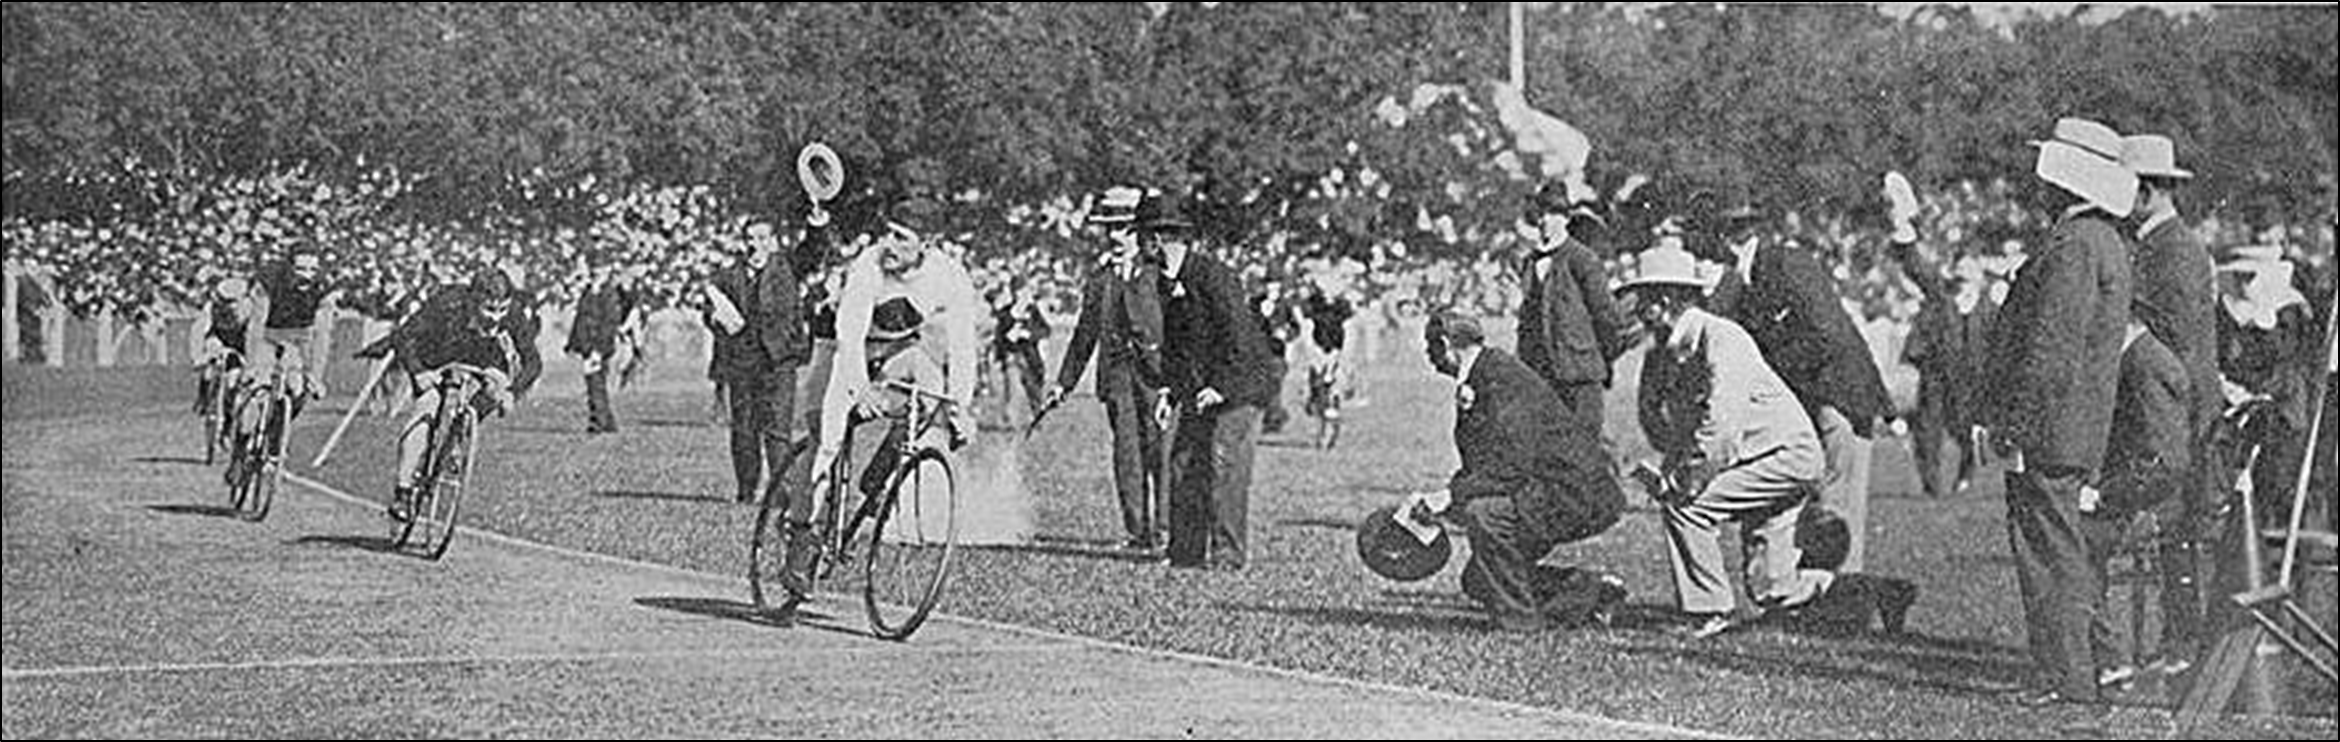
[2056, 362]
[1738, 446]
[1121, 325]
[1531, 479]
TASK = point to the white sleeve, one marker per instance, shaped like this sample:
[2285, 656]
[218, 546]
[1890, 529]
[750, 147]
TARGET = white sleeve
[849, 372]
[964, 306]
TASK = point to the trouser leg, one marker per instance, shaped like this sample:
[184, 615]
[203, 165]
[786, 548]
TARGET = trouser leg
[1846, 487]
[1232, 439]
[2060, 588]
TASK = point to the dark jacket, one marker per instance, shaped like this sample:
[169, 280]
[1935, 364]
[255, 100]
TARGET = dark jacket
[2056, 353]
[1210, 338]
[1789, 305]
[1512, 436]
[2175, 300]
[2152, 439]
[292, 300]
[1005, 321]
[1948, 349]
[449, 329]
[600, 312]
[1121, 322]
[775, 335]
[1569, 326]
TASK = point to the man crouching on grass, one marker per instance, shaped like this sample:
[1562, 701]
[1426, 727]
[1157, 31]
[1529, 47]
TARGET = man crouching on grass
[1530, 480]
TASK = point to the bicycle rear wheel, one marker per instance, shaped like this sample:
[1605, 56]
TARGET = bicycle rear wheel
[244, 450]
[440, 497]
[212, 430]
[910, 545]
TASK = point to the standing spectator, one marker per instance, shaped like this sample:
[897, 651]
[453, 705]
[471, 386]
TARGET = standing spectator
[1016, 331]
[1330, 373]
[1121, 324]
[2268, 349]
[1531, 479]
[1279, 322]
[2145, 464]
[760, 340]
[1738, 446]
[1569, 326]
[1783, 298]
[2056, 360]
[1217, 367]
[605, 315]
[2174, 282]
[1946, 345]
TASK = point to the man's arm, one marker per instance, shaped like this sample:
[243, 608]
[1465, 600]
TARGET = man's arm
[1084, 337]
[1608, 323]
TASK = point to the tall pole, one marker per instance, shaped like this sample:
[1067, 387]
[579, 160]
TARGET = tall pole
[1519, 47]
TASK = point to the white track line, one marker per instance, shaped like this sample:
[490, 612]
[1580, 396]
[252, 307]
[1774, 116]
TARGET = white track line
[1576, 717]
[468, 659]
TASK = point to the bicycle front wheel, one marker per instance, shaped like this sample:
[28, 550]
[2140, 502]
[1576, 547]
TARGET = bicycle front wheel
[440, 497]
[269, 473]
[911, 544]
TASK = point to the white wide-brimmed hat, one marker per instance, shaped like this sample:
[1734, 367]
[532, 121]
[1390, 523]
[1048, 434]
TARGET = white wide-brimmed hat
[2085, 159]
[1665, 265]
[2152, 156]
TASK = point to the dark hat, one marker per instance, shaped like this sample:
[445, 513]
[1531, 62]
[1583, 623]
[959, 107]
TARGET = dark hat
[1164, 212]
[1392, 552]
[1457, 328]
[1824, 538]
[918, 214]
[894, 319]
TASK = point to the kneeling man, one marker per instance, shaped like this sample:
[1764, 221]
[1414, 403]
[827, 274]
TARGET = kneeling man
[1530, 480]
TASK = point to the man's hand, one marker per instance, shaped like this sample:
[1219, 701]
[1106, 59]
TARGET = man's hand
[2091, 499]
[1163, 410]
[962, 425]
[1208, 398]
[1053, 397]
[1904, 206]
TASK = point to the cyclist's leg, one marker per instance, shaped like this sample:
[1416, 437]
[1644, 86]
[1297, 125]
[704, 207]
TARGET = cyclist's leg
[292, 347]
[413, 441]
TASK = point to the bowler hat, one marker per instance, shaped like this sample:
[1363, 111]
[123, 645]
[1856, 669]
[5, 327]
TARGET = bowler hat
[1163, 212]
[918, 215]
[1393, 552]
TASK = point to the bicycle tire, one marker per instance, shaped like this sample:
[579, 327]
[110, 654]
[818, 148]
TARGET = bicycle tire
[244, 457]
[438, 509]
[211, 420]
[908, 561]
[269, 477]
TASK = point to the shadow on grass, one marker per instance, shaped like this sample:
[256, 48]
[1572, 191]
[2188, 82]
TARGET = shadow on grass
[188, 460]
[375, 544]
[1390, 618]
[659, 423]
[208, 511]
[1084, 548]
[1335, 524]
[674, 496]
[1956, 666]
[733, 610]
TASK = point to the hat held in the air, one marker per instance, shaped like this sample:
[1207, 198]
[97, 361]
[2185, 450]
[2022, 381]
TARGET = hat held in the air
[2084, 159]
[2152, 156]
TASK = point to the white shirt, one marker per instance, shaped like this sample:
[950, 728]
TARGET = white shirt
[942, 291]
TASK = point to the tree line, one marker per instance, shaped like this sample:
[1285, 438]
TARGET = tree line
[539, 107]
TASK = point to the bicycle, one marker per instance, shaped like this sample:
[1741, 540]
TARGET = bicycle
[912, 528]
[213, 381]
[429, 524]
[256, 463]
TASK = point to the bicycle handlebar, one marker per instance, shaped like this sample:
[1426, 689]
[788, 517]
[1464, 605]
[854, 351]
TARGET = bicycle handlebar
[920, 391]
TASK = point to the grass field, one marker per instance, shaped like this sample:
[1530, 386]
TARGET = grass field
[659, 491]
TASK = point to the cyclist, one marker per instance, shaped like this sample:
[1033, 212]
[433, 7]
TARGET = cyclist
[474, 324]
[905, 264]
[231, 317]
[292, 288]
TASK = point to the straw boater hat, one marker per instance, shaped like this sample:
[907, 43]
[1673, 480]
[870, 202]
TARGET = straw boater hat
[1665, 265]
[2152, 156]
[2085, 159]
[1118, 206]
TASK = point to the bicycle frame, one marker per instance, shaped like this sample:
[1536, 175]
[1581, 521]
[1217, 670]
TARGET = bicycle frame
[833, 533]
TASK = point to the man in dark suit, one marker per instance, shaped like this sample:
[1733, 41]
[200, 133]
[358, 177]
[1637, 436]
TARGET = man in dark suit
[1946, 344]
[1017, 328]
[604, 312]
[1569, 326]
[1782, 297]
[2175, 279]
[2056, 361]
[1121, 325]
[2145, 464]
[755, 312]
[1531, 479]
[1217, 367]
